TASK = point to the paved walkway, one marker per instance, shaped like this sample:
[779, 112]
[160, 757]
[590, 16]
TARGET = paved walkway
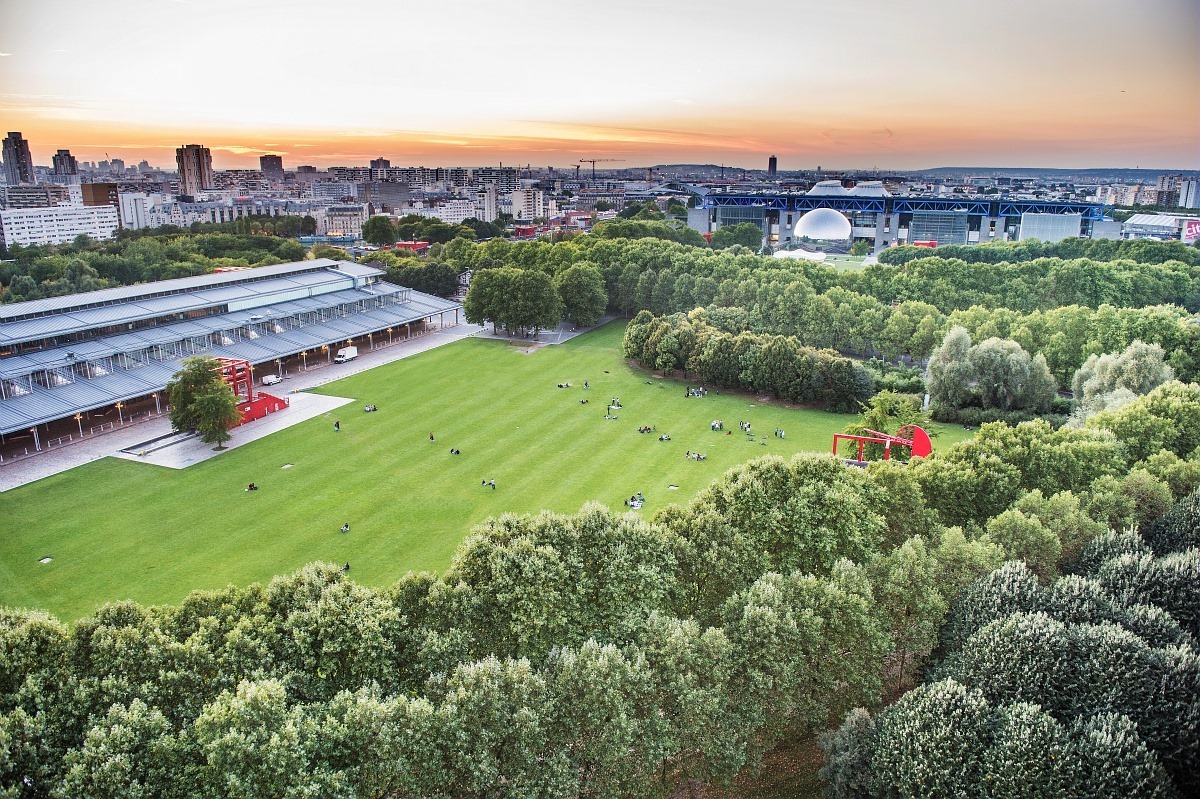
[179, 452]
[187, 451]
[154, 437]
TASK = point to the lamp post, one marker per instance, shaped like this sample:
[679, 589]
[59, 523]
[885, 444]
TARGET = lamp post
[37, 442]
[79, 421]
[120, 415]
[157, 404]
[304, 360]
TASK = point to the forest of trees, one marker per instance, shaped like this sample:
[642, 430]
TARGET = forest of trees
[1033, 589]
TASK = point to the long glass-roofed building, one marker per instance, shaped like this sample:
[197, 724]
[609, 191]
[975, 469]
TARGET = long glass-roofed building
[91, 354]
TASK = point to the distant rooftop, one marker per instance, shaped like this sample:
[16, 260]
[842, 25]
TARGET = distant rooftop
[162, 288]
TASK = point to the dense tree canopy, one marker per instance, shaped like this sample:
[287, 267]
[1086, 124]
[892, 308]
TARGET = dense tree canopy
[201, 401]
[379, 230]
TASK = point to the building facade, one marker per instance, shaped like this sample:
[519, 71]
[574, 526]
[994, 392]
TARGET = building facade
[195, 169]
[58, 224]
[882, 219]
[100, 194]
[271, 166]
[18, 163]
[65, 164]
[42, 196]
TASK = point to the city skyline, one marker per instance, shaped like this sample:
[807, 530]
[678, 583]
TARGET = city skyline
[861, 84]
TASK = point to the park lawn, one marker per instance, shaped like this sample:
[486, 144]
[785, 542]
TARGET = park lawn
[123, 530]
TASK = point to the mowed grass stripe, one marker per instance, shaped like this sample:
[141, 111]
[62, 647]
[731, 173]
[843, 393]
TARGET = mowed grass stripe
[122, 530]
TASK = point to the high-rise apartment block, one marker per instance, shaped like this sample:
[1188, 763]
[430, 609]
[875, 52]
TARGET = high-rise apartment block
[772, 164]
[380, 163]
[195, 169]
[18, 163]
[271, 166]
[1189, 193]
[65, 164]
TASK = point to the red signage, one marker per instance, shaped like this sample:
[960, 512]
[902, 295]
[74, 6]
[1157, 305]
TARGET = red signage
[1191, 230]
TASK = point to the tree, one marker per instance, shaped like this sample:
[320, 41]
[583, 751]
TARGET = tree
[581, 288]
[200, 400]
[1137, 370]
[379, 230]
[537, 304]
[746, 234]
[909, 604]
[950, 375]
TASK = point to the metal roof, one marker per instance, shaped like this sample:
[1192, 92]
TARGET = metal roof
[48, 404]
[176, 285]
[262, 287]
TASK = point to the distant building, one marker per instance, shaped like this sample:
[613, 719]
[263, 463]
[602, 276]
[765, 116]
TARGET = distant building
[527, 205]
[504, 178]
[57, 225]
[1189, 193]
[195, 169]
[44, 196]
[306, 174]
[18, 163]
[133, 207]
[100, 194]
[333, 190]
[772, 163]
[271, 166]
[1151, 226]
[345, 220]
[380, 163]
[452, 212]
[387, 195]
[1050, 228]
[882, 219]
[65, 164]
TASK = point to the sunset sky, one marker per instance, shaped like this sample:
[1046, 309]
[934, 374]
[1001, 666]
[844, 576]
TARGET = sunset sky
[899, 84]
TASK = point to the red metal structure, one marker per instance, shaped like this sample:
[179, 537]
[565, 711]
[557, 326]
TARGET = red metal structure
[236, 373]
[910, 435]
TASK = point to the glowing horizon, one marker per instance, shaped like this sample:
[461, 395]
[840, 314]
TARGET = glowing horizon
[860, 84]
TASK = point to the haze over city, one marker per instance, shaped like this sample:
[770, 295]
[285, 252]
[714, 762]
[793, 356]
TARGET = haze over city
[910, 85]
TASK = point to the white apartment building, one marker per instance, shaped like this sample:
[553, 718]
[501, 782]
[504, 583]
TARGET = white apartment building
[1189, 193]
[134, 208]
[528, 204]
[57, 225]
[452, 212]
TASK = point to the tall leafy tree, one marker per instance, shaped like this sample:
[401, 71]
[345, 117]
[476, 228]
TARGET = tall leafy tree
[581, 288]
[379, 230]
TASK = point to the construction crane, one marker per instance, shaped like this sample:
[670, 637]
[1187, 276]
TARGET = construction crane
[594, 161]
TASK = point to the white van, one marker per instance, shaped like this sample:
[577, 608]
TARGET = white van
[270, 380]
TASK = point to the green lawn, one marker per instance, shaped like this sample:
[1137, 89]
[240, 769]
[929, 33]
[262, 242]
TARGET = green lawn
[123, 530]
